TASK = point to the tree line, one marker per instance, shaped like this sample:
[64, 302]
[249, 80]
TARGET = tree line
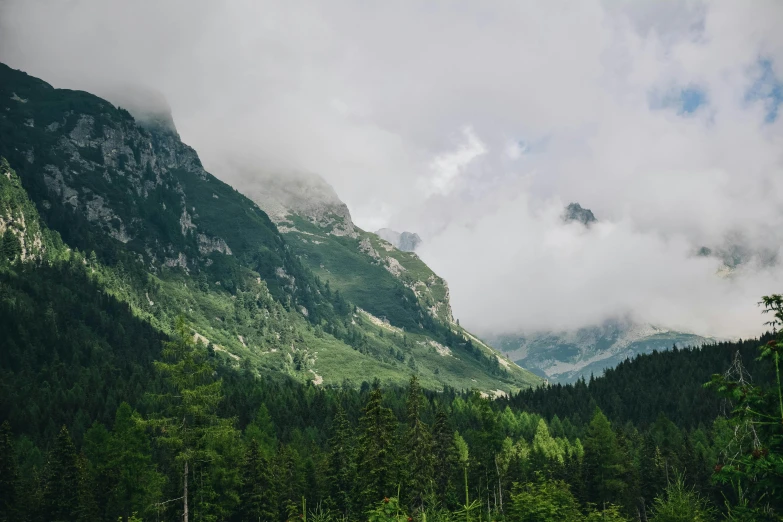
[204, 442]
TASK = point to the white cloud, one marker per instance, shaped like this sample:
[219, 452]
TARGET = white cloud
[446, 168]
[372, 95]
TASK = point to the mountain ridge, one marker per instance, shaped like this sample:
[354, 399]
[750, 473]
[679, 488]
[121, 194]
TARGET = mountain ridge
[163, 235]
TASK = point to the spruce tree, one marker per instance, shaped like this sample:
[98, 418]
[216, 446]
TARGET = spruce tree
[9, 477]
[376, 463]
[445, 456]
[257, 497]
[188, 423]
[11, 246]
[138, 484]
[604, 463]
[341, 462]
[417, 449]
[60, 503]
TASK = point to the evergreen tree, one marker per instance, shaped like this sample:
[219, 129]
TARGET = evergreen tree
[97, 446]
[11, 246]
[376, 463]
[544, 501]
[258, 499]
[138, 483]
[189, 424]
[604, 463]
[445, 457]
[262, 430]
[417, 449]
[289, 480]
[681, 504]
[66, 495]
[341, 462]
[9, 477]
[87, 507]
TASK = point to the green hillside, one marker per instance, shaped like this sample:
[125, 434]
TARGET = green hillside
[159, 233]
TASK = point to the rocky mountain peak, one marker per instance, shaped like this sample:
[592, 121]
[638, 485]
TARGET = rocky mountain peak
[405, 241]
[303, 194]
[575, 212]
[149, 107]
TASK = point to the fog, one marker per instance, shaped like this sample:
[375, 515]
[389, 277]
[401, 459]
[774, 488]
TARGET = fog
[474, 124]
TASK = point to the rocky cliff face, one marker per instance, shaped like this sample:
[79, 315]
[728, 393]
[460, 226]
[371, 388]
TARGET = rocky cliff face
[575, 212]
[299, 194]
[89, 166]
[21, 235]
[405, 241]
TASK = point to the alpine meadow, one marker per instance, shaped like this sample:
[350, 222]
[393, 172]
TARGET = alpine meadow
[433, 262]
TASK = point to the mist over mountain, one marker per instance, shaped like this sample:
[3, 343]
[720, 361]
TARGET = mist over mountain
[659, 130]
[405, 241]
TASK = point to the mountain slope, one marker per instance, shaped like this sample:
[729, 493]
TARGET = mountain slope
[565, 356]
[158, 232]
[393, 287]
[568, 356]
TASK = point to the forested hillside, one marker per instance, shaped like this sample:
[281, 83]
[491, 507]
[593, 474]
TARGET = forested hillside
[166, 237]
[166, 356]
[274, 449]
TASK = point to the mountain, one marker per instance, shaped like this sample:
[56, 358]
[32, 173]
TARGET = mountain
[405, 241]
[575, 212]
[390, 287]
[568, 356]
[133, 205]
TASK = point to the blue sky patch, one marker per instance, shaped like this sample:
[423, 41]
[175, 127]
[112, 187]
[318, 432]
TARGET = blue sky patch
[684, 100]
[767, 89]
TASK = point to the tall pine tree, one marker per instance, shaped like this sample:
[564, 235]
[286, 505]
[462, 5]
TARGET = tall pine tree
[417, 448]
[341, 463]
[188, 423]
[604, 463]
[376, 464]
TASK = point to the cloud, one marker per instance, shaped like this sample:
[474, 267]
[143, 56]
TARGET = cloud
[447, 167]
[661, 117]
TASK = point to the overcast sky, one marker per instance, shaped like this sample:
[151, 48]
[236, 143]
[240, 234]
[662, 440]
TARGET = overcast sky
[474, 124]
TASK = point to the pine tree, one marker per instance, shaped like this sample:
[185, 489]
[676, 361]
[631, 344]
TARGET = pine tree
[289, 480]
[87, 507]
[258, 499]
[341, 462]
[604, 464]
[445, 456]
[376, 463]
[652, 469]
[418, 449]
[9, 477]
[138, 484]
[188, 422]
[12, 247]
[62, 481]
[262, 430]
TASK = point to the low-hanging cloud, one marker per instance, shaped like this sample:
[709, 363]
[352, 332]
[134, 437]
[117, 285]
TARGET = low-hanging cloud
[474, 124]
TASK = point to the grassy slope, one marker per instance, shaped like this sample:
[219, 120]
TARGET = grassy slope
[367, 282]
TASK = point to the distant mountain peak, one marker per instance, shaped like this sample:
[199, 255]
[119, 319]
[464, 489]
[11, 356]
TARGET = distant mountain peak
[405, 241]
[304, 194]
[575, 212]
